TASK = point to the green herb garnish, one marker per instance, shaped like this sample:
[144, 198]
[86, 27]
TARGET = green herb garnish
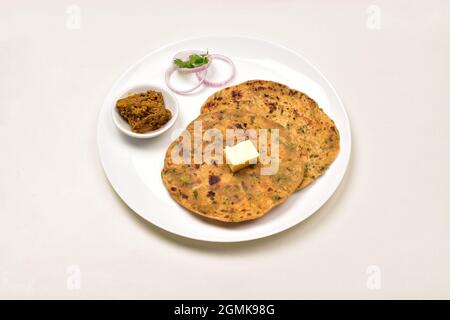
[185, 178]
[194, 61]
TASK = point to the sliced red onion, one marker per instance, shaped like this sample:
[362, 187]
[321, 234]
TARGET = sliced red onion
[200, 72]
[182, 92]
[222, 83]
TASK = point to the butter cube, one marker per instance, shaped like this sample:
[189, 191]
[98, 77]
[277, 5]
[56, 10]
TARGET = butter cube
[240, 155]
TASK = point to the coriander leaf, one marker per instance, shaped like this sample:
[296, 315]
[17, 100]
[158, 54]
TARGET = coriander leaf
[198, 60]
[194, 61]
[182, 64]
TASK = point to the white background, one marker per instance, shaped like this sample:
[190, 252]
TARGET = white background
[392, 210]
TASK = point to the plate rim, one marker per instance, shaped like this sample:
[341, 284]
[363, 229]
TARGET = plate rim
[270, 43]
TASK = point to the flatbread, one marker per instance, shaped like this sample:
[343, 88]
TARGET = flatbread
[306, 121]
[212, 190]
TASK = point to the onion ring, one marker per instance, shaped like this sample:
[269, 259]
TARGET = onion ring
[200, 72]
[182, 92]
[222, 83]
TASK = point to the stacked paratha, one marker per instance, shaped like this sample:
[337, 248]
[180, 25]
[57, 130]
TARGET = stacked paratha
[307, 123]
[212, 190]
[308, 144]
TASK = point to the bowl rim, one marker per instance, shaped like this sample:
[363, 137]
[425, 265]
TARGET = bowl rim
[140, 88]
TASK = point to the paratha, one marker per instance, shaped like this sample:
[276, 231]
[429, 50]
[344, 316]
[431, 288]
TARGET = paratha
[212, 190]
[306, 121]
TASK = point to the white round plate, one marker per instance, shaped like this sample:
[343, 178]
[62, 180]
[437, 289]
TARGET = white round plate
[133, 166]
